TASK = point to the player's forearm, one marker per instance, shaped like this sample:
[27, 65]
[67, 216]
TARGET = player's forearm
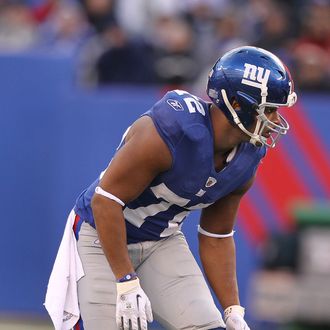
[111, 230]
[219, 262]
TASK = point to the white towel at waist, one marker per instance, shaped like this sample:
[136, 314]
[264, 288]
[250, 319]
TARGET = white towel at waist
[61, 298]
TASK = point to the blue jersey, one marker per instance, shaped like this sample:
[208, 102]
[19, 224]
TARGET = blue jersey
[183, 121]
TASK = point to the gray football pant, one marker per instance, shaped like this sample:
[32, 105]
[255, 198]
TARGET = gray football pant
[169, 275]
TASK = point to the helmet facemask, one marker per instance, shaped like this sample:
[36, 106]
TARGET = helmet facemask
[265, 126]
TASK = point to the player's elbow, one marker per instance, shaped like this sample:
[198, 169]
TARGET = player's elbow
[96, 203]
[104, 208]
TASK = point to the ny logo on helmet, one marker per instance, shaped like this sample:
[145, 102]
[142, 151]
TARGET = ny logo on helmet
[255, 76]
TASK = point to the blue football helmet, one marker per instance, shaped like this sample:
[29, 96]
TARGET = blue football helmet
[255, 79]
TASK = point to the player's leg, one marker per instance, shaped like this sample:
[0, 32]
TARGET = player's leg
[97, 289]
[175, 285]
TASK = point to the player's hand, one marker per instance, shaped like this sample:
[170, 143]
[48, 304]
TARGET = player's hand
[133, 308]
[234, 318]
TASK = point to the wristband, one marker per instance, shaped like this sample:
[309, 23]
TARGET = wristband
[128, 286]
[127, 277]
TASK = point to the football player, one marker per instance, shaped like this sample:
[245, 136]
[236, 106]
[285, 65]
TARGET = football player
[183, 154]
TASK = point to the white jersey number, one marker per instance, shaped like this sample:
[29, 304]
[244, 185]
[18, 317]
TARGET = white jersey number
[191, 102]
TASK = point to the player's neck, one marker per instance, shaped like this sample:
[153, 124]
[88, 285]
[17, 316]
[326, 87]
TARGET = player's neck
[226, 136]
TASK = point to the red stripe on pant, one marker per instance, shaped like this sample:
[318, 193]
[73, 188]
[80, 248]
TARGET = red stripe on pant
[75, 224]
[79, 325]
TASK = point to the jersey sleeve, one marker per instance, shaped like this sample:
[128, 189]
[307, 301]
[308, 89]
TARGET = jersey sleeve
[172, 117]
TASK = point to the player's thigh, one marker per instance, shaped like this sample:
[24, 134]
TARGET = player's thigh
[97, 289]
[178, 292]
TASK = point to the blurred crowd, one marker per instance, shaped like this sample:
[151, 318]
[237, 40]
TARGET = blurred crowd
[169, 42]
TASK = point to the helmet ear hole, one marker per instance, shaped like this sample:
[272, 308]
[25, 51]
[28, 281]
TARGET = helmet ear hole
[234, 102]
